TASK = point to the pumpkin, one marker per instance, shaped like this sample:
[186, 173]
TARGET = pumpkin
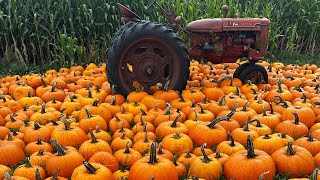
[157, 167]
[90, 147]
[205, 167]
[40, 158]
[295, 128]
[106, 159]
[121, 174]
[92, 121]
[103, 135]
[177, 143]
[32, 134]
[15, 141]
[37, 146]
[180, 102]
[240, 135]
[43, 117]
[229, 147]
[270, 119]
[3, 169]
[66, 161]
[27, 170]
[94, 109]
[221, 157]
[69, 136]
[141, 134]
[127, 157]
[121, 142]
[285, 138]
[186, 158]
[170, 127]
[146, 116]
[293, 160]
[91, 171]
[261, 129]
[268, 144]
[310, 144]
[218, 107]
[143, 145]
[250, 159]
[211, 133]
[181, 169]
[306, 115]
[230, 124]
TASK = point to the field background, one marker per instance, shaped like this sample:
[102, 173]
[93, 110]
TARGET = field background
[37, 35]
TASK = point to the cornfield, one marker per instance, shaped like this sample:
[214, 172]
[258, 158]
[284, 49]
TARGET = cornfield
[72, 32]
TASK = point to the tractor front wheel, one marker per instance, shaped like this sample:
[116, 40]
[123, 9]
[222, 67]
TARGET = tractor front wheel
[147, 55]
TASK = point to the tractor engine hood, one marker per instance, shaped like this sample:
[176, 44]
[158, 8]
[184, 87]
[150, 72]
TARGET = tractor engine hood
[227, 24]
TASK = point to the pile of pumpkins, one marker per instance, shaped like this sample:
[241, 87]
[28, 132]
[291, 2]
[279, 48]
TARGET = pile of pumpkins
[72, 124]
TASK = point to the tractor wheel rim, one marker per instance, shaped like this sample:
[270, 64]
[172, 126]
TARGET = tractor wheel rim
[147, 62]
[255, 77]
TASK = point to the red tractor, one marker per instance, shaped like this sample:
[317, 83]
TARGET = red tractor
[149, 54]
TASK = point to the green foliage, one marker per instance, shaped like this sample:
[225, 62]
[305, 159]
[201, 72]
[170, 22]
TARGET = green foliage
[69, 32]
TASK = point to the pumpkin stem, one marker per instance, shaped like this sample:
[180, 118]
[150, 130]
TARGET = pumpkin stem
[71, 97]
[127, 150]
[231, 82]
[310, 137]
[315, 174]
[271, 108]
[10, 138]
[25, 123]
[222, 100]
[258, 122]
[216, 121]
[218, 155]
[193, 103]
[201, 109]
[264, 110]
[153, 154]
[246, 126]
[39, 141]
[174, 123]
[175, 157]
[290, 150]
[142, 121]
[94, 139]
[36, 126]
[143, 112]
[244, 108]
[237, 93]
[38, 177]
[233, 110]
[250, 148]
[95, 102]
[146, 137]
[123, 136]
[43, 108]
[97, 88]
[180, 96]
[89, 94]
[156, 107]
[188, 155]
[232, 144]
[28, 164]
[160, 148]
[266, 136]
[168, 110]
[296, 118]
[195, 115]
[114, 100]
[205, 159]
[55, 175]
[279, 86]
[53, 88]
[89, 115]
[304, 97]
[117, 118]
[144, 128]
[65, 123]
[59, 148]
[43, 82]
[40, 152]
[176, 135]
[12, 118]
[89, 167]
[14, 132]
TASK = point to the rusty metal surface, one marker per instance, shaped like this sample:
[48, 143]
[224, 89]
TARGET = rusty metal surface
[127, 13]
[148, 61]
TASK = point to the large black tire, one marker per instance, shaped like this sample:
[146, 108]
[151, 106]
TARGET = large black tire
[238, 71]
[133, 31]
[253, 71]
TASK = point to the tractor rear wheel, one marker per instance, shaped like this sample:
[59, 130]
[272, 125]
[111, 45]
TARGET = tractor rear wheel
[147, 54]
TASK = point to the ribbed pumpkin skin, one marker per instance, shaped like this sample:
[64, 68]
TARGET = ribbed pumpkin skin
[3, 169]
[298, 165]
[10, 154]
[163, 169]
[106, 159]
